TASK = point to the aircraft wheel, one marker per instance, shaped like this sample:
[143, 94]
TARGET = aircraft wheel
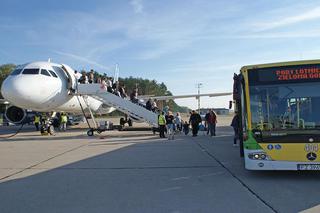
[90, 132]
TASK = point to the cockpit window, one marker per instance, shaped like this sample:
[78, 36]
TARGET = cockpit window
[53, 74]
[45, 72]
[16, 72]
[31, 71]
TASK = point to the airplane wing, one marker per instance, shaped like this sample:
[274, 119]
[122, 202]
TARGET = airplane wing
[172, 97]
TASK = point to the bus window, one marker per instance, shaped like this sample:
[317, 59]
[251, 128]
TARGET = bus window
[290, 106]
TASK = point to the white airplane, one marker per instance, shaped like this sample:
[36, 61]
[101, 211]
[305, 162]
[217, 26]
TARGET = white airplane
[49, 87]
[44, 87]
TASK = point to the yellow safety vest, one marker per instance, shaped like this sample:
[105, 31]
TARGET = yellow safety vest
[36, 119]
[161, 120]
[64, 119]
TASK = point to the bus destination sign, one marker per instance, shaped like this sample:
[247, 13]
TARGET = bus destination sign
[283, 74]
[296, 74]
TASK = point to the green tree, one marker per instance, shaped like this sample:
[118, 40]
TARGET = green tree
[152, 88]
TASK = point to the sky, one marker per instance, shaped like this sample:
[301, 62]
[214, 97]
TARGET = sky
[178, 42]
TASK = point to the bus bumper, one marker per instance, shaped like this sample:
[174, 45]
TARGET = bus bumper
[268, 164]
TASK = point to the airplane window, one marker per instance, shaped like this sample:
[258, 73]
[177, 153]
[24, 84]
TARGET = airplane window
[53, 74]
[31, 71]
[45, 72]
[16, 72]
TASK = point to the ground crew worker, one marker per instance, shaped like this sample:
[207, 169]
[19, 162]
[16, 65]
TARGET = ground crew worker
[162, 124]
[63, 123]
[36, 121]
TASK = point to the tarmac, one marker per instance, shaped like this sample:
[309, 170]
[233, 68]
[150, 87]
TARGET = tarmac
[138, 172]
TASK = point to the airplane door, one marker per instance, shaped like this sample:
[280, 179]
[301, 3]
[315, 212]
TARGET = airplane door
[72, 81]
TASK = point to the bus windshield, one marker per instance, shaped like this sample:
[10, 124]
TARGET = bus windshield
[288, 108]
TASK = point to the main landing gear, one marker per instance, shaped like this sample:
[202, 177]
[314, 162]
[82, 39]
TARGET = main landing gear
[91, 131]
[125, 120]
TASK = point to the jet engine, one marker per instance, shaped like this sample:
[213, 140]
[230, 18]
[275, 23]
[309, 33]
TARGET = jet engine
[15, 114]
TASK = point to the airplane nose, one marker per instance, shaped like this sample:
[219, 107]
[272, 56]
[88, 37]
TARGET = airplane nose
[14, 90]
[6, 89]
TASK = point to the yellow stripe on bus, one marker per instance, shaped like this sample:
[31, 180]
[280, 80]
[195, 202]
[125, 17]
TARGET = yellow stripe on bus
[292, 151]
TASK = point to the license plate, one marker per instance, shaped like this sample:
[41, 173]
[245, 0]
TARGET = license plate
[308, 166]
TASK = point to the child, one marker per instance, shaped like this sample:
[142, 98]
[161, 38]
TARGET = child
[186, 128]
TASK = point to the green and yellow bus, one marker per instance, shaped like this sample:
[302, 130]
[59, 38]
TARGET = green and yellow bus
[279, 109]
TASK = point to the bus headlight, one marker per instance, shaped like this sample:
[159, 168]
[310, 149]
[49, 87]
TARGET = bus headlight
[258, 156]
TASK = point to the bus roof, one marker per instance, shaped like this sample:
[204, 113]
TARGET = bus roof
[279, 64]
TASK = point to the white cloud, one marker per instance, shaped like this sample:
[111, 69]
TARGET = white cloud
[82, 59]
[137, 6]
[308, 15]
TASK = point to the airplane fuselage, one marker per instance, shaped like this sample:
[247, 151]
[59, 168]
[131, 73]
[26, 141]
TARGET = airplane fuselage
[45, 87]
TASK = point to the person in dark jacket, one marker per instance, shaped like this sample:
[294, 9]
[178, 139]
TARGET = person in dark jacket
[212, 120]
[236, 128]
[194, 120]
[206, 117]
[186, 128]
[149, 105]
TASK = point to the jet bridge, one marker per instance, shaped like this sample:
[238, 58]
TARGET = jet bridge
[135, 111]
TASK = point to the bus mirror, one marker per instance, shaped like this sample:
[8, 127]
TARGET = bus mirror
[230, 104]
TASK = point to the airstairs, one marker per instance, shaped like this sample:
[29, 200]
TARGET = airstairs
[133, 110]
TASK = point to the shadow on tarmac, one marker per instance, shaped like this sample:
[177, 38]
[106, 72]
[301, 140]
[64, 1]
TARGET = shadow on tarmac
[164, 176]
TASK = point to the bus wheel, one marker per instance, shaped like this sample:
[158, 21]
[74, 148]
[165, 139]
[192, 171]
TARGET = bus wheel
[90, 132]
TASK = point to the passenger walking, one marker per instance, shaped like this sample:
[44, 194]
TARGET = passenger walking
[36, 121]
[63, 122]
[212, 120]
[91, 77]
[109, 85]
[194, 120]
[170, 125]
[134, 96]
[166, 109]
[162, 124]
[77, 75]
[149, 105]
[206, 117]
[84, 78]
[236, 128]
[178, 122]
[99, 80]
[186, 128]
[122, 91]
[154, 105]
